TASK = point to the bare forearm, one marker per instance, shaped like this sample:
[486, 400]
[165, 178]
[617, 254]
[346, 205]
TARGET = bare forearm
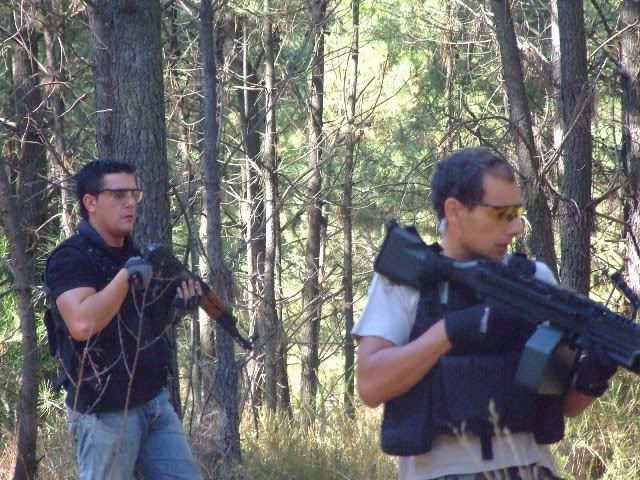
[87, 312]
[386, 373]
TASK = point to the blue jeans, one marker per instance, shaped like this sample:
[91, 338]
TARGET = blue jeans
[149, 439]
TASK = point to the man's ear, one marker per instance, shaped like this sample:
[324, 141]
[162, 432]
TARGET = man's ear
[453, 210]
[89, 202]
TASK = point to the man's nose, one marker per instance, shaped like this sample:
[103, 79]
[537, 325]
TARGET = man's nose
[130, 199]
[516, 227]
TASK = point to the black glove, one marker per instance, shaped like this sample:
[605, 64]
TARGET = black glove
[188, 297]
[140, 272]
[593, 372]
[486, 329]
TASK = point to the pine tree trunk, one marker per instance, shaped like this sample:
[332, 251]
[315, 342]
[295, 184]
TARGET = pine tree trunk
[576, 219]
[101, 26]
[347, 214]
[272, 328]
[630, 84]
[449, 58]
[252, 120]
[27, 103]
[311, 287]
[26, 462]
[21, 221]
[540, 242]
[220, 403]
[139, 133]
[54, 29]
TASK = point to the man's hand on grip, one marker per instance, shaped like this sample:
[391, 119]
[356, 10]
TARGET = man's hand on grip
[188, 296]
[140, 272]
[593, 372]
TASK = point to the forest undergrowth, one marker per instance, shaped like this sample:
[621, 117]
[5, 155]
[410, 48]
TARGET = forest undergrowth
[599, 444]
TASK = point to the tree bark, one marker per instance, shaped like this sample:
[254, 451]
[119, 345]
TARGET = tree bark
[139, 130]
[449, 53]
[540, 242]
[27, 104]
[630, 84]
[220, 405]
[576, 218]
[26, 461]
[101, 26]
[21, 217]
[311, 287]
[272, 327]
[53, 28]
[252, 121]
[556, 79]
[347, 214]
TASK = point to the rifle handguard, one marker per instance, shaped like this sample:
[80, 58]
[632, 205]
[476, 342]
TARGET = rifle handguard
[166, 265]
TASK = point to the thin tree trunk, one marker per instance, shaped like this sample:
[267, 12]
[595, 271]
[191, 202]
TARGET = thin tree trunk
[21, 221]
[311, 287]
[347, 215]
[284, 389]
[272, 327]
[252, 120]
[540, 242]
[220, 405]
[556, 78]
[576, 211]
[630, 84]
[101, 26]
[449, 52]
[27, 103]
[53, 27]
[26, 462]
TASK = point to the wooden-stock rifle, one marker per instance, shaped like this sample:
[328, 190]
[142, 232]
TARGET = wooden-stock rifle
[167, 266]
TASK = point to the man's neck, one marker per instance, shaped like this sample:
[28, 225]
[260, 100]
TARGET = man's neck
[453, 249]
[110, 239]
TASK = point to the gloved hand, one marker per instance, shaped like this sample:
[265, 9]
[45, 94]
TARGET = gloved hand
[593, 372]
[188, 296]
[482, 328]
[140, 272]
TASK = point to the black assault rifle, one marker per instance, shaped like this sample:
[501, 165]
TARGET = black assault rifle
[566, 322]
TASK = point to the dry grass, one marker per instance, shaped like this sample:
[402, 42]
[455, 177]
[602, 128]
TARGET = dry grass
[335, 448]
[600, 444]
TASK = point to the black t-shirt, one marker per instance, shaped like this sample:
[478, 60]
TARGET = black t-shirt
[129, 357]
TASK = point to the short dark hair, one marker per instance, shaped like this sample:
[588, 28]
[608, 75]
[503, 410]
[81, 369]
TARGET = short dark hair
[89, 178]
[460, 175]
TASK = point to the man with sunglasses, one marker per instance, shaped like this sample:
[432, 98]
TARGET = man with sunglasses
[108, 329]
[444, 365]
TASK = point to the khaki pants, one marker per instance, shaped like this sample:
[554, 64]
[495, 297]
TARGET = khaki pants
[529, 472]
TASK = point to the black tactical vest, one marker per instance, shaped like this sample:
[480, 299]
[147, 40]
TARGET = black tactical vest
[465, 392]
[103, 362]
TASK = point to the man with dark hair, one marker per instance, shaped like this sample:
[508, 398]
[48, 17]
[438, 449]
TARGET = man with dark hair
[108, 330]
[444, 365]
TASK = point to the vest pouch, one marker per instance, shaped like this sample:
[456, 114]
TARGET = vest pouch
[405, 422]
[479, 391]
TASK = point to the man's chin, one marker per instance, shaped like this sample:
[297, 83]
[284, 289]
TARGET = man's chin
[127, 228]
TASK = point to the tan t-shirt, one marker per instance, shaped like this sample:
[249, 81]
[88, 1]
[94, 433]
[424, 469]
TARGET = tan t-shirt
[390, 313]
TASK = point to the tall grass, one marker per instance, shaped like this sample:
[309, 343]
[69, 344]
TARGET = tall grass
[336, 448]
[602, 443]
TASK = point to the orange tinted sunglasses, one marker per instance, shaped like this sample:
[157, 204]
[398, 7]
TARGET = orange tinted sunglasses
[502, 213]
